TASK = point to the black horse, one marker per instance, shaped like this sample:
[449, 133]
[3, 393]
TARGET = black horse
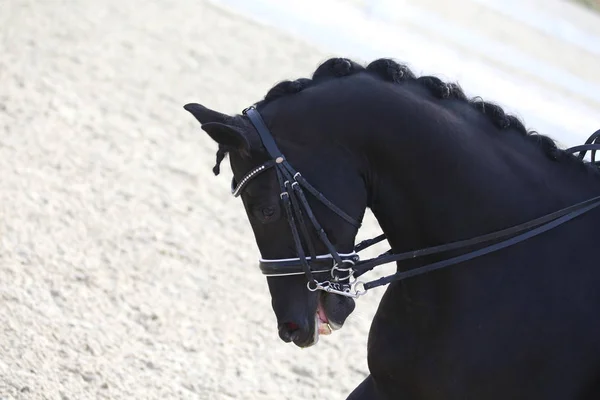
[519, 322]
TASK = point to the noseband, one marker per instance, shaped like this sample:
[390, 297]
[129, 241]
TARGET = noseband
[343, 269]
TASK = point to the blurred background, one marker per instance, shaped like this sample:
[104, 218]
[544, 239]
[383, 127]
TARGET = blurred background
[126, 268]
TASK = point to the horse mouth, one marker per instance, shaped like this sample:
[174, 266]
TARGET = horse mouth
[323, 326]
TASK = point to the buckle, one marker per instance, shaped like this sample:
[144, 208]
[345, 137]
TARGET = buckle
[245, 110]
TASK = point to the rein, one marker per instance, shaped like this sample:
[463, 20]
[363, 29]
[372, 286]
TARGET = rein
[344, 269]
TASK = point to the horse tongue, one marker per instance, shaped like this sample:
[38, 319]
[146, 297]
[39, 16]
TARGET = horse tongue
[321, 314]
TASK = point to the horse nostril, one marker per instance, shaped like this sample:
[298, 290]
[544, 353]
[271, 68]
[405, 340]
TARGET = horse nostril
[288, 331]
[291, 326]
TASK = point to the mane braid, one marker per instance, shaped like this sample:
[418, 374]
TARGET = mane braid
[391, 71]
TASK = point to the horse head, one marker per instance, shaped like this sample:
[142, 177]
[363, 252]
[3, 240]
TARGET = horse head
[283, 216]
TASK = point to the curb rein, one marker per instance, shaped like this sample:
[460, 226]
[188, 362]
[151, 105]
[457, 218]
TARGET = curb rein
[344, 269]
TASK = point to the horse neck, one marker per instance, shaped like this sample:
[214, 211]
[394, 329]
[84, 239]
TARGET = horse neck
[459, 189]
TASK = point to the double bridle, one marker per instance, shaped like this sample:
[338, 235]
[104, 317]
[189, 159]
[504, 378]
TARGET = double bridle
[344, 269]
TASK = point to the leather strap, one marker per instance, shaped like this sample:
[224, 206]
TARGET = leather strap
[590, 144]
[263, 132]
[367, 265]
[481, 252]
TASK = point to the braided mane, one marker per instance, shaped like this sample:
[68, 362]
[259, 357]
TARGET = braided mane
[391, 71]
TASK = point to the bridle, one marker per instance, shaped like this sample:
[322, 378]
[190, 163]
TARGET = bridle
[297, 209]
[344, 269]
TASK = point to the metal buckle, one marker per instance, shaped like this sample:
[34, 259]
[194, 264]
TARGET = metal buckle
[245, 110]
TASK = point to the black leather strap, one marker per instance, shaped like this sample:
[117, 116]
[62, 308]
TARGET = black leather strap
[292, 266]
[583, 149]
[303, 227]
[481, 252]
[325, 201]
[369, 242]
[263, 132]
[280, 267]
[367, 265]
[296, 236]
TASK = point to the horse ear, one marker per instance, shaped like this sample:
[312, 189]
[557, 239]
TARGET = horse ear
[213, 123]
[227, 135]
[204, 114]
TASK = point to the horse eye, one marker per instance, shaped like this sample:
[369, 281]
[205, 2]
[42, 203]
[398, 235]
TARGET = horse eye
[268, 212]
